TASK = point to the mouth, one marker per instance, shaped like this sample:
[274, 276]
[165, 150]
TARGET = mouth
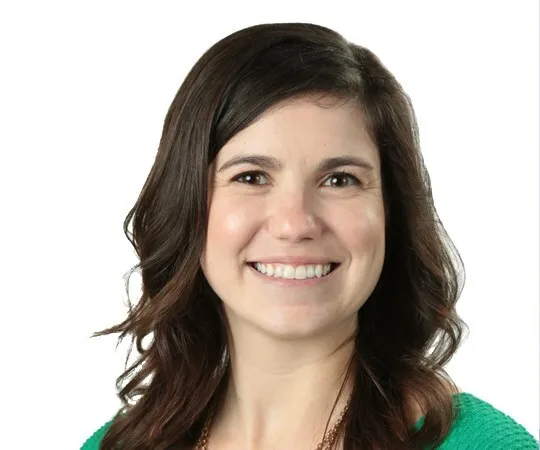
[294, 272]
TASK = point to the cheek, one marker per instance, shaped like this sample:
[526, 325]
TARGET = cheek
[363, 229]
[230, 224]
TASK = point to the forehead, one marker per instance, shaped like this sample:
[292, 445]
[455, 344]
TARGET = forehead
[305, 128]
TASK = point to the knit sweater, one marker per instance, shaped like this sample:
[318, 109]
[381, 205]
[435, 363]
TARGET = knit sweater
[478, 426]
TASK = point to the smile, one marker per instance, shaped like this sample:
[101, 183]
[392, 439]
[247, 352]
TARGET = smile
[292, 273]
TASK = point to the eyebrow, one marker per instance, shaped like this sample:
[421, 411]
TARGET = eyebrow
[274, 164]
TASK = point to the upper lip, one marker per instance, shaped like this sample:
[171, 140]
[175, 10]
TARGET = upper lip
[294, 260]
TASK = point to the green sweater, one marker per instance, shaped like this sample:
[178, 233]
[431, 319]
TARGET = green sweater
[479, 426]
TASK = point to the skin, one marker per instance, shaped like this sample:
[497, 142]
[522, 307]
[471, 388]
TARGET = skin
[290, 344]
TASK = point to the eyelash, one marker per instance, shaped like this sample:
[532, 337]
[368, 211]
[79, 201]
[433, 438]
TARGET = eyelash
[356, 181]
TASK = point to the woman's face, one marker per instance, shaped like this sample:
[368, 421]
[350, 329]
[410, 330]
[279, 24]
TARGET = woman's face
[279, 204]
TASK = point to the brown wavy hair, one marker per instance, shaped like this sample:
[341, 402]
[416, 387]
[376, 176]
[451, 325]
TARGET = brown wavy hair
[408, 328]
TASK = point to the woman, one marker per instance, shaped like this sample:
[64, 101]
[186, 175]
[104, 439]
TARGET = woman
[298, 286]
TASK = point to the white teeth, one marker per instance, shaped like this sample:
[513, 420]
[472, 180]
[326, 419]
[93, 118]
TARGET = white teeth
[300, 273]
[293, 272]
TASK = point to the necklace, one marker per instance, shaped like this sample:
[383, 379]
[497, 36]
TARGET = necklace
[326, 443]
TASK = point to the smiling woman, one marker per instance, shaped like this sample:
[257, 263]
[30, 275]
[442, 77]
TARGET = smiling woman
[298, 285]
[312, 201]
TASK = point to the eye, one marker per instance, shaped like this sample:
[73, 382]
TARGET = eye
[254, 178]
[342, 179]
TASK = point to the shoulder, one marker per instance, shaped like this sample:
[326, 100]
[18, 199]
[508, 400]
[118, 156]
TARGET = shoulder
[479, 425]
[93, 442]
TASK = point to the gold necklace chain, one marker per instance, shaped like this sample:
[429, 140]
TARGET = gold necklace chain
[326, 443]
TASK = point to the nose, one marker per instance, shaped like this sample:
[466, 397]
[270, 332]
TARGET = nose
[294, 218]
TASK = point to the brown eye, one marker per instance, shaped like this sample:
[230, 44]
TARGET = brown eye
[342, 179]
[254, 178]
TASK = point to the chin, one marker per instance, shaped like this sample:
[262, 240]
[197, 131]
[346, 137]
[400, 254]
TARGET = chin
[283, 331]
[289, 325]
[288, 320]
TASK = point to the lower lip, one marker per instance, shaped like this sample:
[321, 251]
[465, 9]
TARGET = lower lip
[294, 282]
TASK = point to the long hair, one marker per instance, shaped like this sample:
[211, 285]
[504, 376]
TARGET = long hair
[408, 328]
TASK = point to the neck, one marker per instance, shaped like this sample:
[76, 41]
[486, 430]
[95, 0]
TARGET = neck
[282, 393]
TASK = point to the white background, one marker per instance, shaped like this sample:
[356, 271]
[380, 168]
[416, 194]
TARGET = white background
[84, 90]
